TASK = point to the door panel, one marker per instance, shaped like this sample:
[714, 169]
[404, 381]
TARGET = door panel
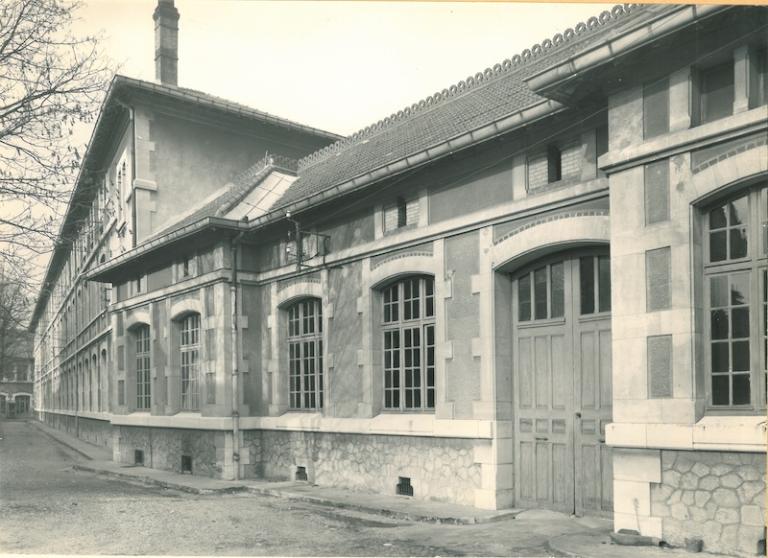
[562, 385]
[594, 475]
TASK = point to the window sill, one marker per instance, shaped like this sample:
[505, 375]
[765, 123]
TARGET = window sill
[717, 433]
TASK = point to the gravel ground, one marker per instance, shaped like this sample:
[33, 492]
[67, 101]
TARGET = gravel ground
[47, 508]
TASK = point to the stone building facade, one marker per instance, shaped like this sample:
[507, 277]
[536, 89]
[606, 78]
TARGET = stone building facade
[541, 287]
[16, 382]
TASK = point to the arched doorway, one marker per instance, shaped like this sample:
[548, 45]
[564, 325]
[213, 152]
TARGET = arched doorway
[561, 351]
[23, 405]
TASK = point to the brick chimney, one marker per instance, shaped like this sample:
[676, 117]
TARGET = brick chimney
[166, 18]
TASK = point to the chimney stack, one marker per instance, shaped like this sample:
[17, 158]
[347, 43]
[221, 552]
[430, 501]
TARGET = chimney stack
[166, 18]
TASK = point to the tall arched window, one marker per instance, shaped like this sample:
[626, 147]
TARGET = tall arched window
[408, 325]
[143, 394]
[190, 359]
[736, 294]
[305, 354]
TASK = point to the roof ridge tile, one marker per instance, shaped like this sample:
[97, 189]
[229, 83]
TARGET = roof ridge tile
[518, 61]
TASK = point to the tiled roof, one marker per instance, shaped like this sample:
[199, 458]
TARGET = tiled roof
[481, 99]
[218, 205]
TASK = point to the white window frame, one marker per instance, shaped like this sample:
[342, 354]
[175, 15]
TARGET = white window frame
[304, 339]
[753, 268]
[408, 344]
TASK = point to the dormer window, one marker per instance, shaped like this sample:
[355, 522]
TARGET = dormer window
[716, 92]
[554, 164]
[403, 213]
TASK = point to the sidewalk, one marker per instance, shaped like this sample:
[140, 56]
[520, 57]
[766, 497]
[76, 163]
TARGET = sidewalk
[592, 540]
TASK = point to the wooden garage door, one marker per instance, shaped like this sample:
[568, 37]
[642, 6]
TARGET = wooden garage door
[562, 383]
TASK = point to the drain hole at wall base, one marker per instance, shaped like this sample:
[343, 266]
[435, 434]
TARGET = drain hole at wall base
[404, 487]
[186, 464]
[301, 473]
[138, 457]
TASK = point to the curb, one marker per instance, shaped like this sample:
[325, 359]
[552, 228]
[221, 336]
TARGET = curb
[60, 441]
[287, 495]
[158, 482]
[393, 514]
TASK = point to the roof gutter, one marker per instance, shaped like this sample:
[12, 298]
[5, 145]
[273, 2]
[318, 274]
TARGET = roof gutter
[608, 49]
[416, 160]
[192, 229]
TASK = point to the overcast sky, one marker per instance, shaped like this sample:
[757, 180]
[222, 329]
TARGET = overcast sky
[338, 66]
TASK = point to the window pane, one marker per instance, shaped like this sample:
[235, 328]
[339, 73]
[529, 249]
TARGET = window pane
[719, 324]
[717, 219]
[740, 356]
[740, 289]
[429, 287]
[741, 389]
[540, 292]
[604, 285]
[524, 297]
[740, 323]
[738, 246]
[587, 284]
[718, 291]
[557, 289]
[739, 211]
[721, 390]
[717, 246]
[720, 362]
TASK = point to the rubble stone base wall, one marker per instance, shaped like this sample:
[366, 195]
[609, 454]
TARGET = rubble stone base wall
[439, 468]
[97, 432]
[718, 497]
[164, 447]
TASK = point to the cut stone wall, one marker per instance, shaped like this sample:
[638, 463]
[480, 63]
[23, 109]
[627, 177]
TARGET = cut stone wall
[441, 469]
[718, 497]
[97, 432]
[163, 448]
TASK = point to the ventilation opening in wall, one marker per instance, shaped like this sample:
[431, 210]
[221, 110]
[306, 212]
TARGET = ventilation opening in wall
[138, 457]
[186, 464]
[301, 473]
[404, 487]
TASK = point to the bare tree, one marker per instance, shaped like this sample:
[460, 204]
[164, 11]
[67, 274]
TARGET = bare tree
[51, 82]
[15, 346]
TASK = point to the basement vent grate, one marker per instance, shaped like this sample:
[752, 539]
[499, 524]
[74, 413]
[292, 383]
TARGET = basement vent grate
[138, 457]
[186, 464]
[404, 487]
[301, 473]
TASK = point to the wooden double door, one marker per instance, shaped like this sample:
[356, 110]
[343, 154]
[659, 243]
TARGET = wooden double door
[562, 383]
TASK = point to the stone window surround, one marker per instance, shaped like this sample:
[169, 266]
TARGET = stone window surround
[277, 323]
[369, 305]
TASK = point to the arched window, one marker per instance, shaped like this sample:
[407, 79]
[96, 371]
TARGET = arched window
[408, 327]
[305, 354]
[190, 362]
[736, 291]
[143, 395]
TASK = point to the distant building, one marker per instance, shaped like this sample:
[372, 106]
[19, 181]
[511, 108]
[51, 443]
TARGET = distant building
[544, 286]
[16, 381]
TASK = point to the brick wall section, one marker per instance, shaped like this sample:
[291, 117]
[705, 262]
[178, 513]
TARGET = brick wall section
[571, 162]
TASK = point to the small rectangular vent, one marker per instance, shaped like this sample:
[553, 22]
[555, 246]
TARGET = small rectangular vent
[138, 457]
[404, 487]
[186, 464]
[301, 473]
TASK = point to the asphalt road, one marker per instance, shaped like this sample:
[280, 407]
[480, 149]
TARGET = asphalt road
[47, 508]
